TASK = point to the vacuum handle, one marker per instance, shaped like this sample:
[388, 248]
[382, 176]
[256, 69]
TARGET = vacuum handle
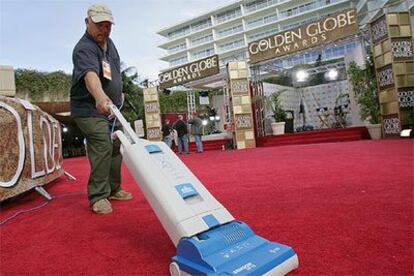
[126, 126]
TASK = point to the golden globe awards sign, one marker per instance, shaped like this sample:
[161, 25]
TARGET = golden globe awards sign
[30, 148]
[191, 71]
[327, 30]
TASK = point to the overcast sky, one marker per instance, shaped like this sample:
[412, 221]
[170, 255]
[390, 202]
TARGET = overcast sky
[41, 34]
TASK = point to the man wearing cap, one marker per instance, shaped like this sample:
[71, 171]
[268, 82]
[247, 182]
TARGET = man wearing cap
[97, 82]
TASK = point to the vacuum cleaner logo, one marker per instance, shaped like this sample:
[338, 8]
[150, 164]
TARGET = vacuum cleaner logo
[186, 190]
[245, 267]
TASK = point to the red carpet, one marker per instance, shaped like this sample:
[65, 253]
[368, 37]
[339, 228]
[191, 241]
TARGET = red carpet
[346, 208]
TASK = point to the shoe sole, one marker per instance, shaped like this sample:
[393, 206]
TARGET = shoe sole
[102, 212]
[120, 199]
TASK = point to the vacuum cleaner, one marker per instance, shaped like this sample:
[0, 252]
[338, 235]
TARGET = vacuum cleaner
[208, 239]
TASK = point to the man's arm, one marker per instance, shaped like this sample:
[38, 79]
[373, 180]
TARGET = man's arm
[94, 86]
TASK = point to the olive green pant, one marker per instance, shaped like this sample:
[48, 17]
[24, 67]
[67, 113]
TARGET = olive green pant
[104, 157]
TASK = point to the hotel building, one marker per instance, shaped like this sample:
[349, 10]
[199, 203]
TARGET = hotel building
[229, 29]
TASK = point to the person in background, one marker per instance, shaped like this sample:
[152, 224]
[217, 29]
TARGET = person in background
[197, 131]
[167, 135]
[96, 83]
[182, 135]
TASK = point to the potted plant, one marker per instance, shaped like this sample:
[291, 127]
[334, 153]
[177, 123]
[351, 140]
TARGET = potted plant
[274, 105]
[364, 85]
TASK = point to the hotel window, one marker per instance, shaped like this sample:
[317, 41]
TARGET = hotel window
[232, 45]
[203, 53]
[201, 25]
[300, 9]
[325, 14]
[263, 34]
[278, 64]
[311, 57]
[177, 48]
[351, 46]
[327, 2]
[335, 52]
[290, 26]
[229, 31]
[270, 18]
[178, 61]
[339, 51]
[225, 16]
[179, 32]
[263, 20]
[226, 60]
[254, 23]
[260, 4]
[295, 60]
[201, 39]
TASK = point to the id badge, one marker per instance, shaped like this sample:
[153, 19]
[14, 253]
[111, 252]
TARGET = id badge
[106, 68]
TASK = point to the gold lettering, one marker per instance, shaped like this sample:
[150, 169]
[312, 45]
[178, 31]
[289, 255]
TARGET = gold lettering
[351, 17]
[263, 45]
[288, 37]
[203, 65]
[193, 67]
[342, 20]
[298, 35]
[286, 48]
[213, 61]
[281, 40]
[184, 70]
[253, 49]
[326, 24]
[311, 29]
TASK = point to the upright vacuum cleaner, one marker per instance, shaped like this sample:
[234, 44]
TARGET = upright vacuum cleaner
[209, 240]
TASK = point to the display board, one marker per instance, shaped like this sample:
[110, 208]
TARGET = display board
[7, 83]
[152, 114]
[238, 78]
[392, 42]
[31, 147]
[327, 105]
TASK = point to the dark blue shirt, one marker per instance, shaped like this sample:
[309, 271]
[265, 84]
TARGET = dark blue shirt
[88, 56]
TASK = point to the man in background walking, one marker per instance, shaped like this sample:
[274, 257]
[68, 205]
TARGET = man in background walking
[197, 131]
[167, 133]
[181, 127]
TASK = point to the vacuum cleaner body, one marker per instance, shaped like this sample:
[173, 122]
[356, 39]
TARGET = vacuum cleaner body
[209, 240]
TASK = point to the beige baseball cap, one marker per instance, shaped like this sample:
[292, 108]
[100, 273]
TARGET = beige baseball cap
[99, 13]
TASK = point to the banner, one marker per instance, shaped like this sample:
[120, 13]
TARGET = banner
[329, 29]
[188, 72]
[31, 147]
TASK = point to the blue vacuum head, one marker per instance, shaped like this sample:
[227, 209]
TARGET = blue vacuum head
[232, 249]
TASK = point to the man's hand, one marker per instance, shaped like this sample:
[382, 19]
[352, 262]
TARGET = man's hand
[102, 105]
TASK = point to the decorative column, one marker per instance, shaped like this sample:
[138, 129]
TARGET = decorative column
[394, 63]
[7, 83]
[152, 114]
[238, 78]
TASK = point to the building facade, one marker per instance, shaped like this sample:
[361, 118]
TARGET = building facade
[227, 30]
